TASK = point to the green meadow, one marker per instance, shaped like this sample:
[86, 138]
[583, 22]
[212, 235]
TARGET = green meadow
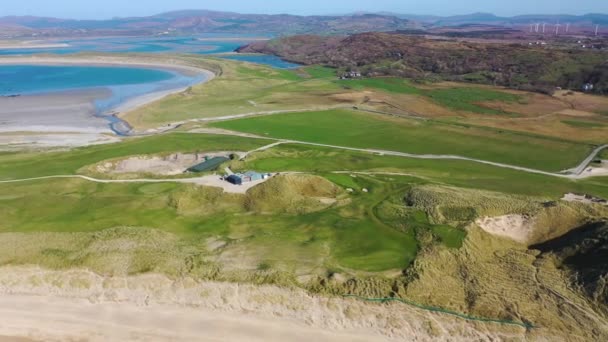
[362, 130]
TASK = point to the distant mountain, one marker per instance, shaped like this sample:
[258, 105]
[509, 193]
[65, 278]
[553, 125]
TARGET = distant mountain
[199, 21]
[491, 19]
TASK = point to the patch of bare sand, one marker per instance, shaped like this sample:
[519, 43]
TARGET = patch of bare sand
[48, 305]
[587, 199]
[596, 170]
[170, 165]
[515, 227]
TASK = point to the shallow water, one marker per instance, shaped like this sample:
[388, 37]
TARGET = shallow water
[201, 44]
[124, 83]
[31, 79]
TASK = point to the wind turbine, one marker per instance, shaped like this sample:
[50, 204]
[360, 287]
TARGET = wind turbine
[597, 27]
[567, 28]
[557, 28]
[544, 28]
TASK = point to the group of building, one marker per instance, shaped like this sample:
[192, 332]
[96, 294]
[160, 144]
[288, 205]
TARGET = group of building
[213, 163]
[249, 176]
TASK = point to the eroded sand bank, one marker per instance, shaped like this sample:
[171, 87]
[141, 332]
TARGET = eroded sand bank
[79, 305]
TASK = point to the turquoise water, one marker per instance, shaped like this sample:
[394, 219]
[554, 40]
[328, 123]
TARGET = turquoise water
[28, 79]
[202, 44]
[124, 83]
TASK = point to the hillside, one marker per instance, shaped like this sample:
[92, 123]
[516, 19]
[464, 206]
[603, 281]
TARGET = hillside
[394, 54]
[201, 21]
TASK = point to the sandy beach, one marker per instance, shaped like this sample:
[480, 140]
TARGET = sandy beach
[74, 111]
[30, 44]
[45, 305]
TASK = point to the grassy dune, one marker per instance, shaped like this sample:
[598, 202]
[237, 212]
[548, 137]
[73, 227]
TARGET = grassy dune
[353, 129]
[457, 173]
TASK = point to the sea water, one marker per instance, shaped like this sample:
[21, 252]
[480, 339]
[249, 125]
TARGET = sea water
[125, 83]
[204, 44]
[31, 79]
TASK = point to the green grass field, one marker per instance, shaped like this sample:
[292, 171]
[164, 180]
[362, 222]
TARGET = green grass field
[456, 173]
[467, 99]
[393, 85]
[26, 165]
[353, 129]
[584, 124]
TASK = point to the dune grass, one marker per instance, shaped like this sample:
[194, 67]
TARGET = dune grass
[353, 129]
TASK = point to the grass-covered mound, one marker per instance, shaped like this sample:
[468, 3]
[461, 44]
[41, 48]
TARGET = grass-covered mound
[293, 194]
[548, 219]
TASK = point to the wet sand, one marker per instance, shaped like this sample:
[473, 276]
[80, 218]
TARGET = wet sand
[71, 111]
[74, 111]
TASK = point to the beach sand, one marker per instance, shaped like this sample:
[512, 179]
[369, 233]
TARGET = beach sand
[73, 111]
[78, 305]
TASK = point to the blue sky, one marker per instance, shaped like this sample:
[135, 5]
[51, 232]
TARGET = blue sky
[101, 9]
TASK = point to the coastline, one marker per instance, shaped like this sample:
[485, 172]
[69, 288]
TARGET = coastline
[114, 113]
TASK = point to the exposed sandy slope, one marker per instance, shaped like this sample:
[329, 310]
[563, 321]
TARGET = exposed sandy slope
[515, 227]
[173, 164]
[79, 305]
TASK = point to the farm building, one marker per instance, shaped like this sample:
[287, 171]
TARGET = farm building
[249, 176]
[209, 164]
[234, 179]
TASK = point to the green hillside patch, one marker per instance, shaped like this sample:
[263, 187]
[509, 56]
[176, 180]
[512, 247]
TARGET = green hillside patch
[360, 130]
[584, 124]
[317, 71]
[393, 85]
[469, 99]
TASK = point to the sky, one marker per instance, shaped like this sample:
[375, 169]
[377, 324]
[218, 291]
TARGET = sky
[105, 9]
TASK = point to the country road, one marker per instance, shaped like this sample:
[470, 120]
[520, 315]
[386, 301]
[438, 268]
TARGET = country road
[576, 173]
[580, 168]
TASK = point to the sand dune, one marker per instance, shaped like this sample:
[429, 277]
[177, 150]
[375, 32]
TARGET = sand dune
[79, 305]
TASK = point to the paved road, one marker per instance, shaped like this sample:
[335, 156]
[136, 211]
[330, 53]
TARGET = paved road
[581, 168]
[571, 175]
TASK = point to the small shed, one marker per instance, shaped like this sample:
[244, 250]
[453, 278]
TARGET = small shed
[208, 165]
[252, 176]
[234, 179]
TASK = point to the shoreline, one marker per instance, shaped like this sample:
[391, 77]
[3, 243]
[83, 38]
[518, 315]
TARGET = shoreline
[114, 114]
